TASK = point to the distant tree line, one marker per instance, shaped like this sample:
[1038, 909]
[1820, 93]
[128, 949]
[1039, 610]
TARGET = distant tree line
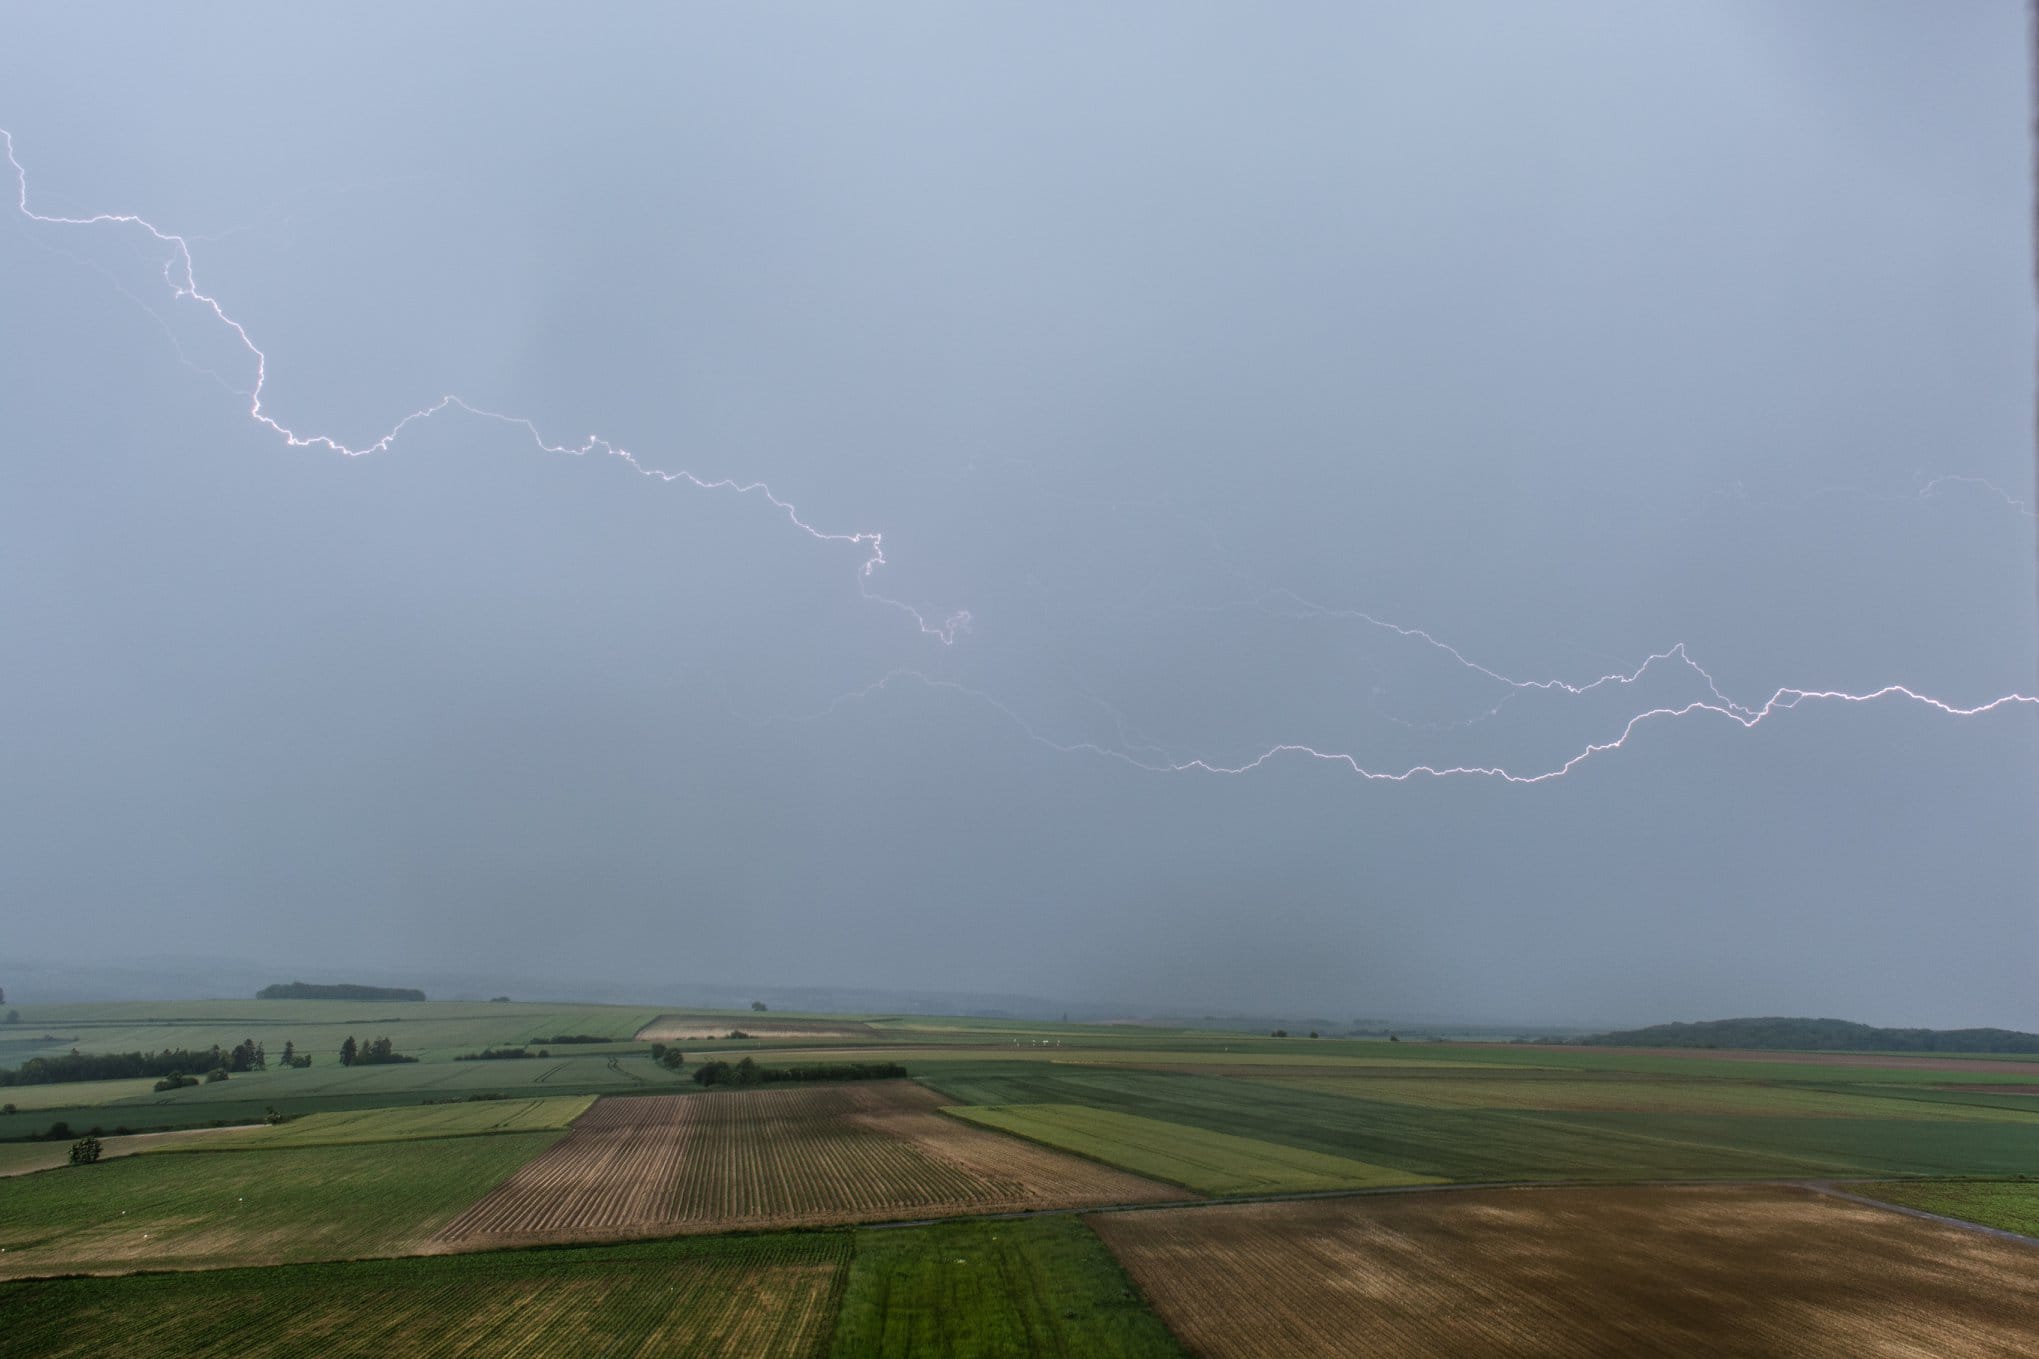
[569, 1038]
[111, 1066]
[499, 1055]
[748, 1072]
[1810, 1035]
[298, 990]
[375, 1052]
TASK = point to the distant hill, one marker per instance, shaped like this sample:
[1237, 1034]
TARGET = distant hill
[1814, 1035]
[298, 990]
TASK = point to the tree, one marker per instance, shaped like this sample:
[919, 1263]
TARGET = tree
[1279, 1033]
[290, 1052]
[85, 1151]
[348, 1050]
[758, 1005]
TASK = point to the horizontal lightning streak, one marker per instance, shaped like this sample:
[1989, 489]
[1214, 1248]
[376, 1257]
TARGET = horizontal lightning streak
[180, 276]
[1782, 701]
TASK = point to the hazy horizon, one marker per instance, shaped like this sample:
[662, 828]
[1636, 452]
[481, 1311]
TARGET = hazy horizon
[1291, 401]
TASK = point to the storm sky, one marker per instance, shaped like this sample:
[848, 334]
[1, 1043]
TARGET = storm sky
[1183, 346]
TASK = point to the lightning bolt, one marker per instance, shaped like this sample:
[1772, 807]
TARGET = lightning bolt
[181, 277]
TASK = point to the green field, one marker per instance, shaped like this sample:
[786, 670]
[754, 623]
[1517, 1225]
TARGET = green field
[402, 1124]
[2009, 1205]
[190, 1209]
[762, 1296]
[1656, 1094]
[330, 1087]
[1041, 1286]
[1196, 1158]
[1481, 1145]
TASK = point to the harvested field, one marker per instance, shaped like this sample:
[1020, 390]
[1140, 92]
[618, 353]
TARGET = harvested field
[679, 1028]
[1701, 1270]
[669, 1164]
[757, 1296]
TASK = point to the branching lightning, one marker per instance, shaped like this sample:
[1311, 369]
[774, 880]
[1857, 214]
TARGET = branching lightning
[180, 277]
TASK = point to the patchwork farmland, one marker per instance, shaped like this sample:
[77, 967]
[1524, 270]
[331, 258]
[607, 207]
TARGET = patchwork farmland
[1700, 1270]
[770, 1158]
[424, 1182]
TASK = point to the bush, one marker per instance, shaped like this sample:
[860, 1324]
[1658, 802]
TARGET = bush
[218, 1073]
[176, 1080]
[85, 1151]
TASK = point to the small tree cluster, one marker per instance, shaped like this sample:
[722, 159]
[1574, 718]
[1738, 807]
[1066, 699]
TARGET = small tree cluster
[375, 1052]
[85, 1151]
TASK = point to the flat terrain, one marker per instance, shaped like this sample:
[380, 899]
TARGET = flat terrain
[1936, 1137]
[680, 1027]
[191, 1209]
[20, 1158]
[866, 1152]
[965, 1290]
[469, 1118]
[768, 1297]
[1698, 1270]
[2007, 1205]
[594, 1144]
[1208, 1162]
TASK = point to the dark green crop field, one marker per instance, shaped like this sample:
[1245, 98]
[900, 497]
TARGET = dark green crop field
[762, 1296]
[972, 1290]
[187, 1209]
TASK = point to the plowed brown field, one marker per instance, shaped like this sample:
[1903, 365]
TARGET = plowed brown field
[1616, 1271]
[668, 1164]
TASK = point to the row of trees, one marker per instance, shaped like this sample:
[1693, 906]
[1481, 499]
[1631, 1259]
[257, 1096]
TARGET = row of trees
[108, 1066]
[298, 990]
[748, 1072]
[375, 1052]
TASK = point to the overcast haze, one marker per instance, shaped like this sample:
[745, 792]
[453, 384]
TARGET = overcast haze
[1161, 338]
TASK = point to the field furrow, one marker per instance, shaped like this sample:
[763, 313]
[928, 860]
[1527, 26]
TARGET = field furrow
[710, 1162]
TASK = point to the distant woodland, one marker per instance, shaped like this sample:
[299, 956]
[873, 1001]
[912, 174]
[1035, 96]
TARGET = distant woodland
[1814, 1035]
[298, 990]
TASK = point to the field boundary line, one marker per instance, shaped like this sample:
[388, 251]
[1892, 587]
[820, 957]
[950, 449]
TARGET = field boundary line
[2001, 1233]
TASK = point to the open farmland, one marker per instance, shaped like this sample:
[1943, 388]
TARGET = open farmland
[674, 1028]
[2007, 1205]
[1482, 1145]
[1040, 1286]
[20, 1158]
[469, 1118]
[1551, 1092]
[203, 1209]
[710, 1162]
[1208, 1162]
[770, 1297]
[1699, 1270]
